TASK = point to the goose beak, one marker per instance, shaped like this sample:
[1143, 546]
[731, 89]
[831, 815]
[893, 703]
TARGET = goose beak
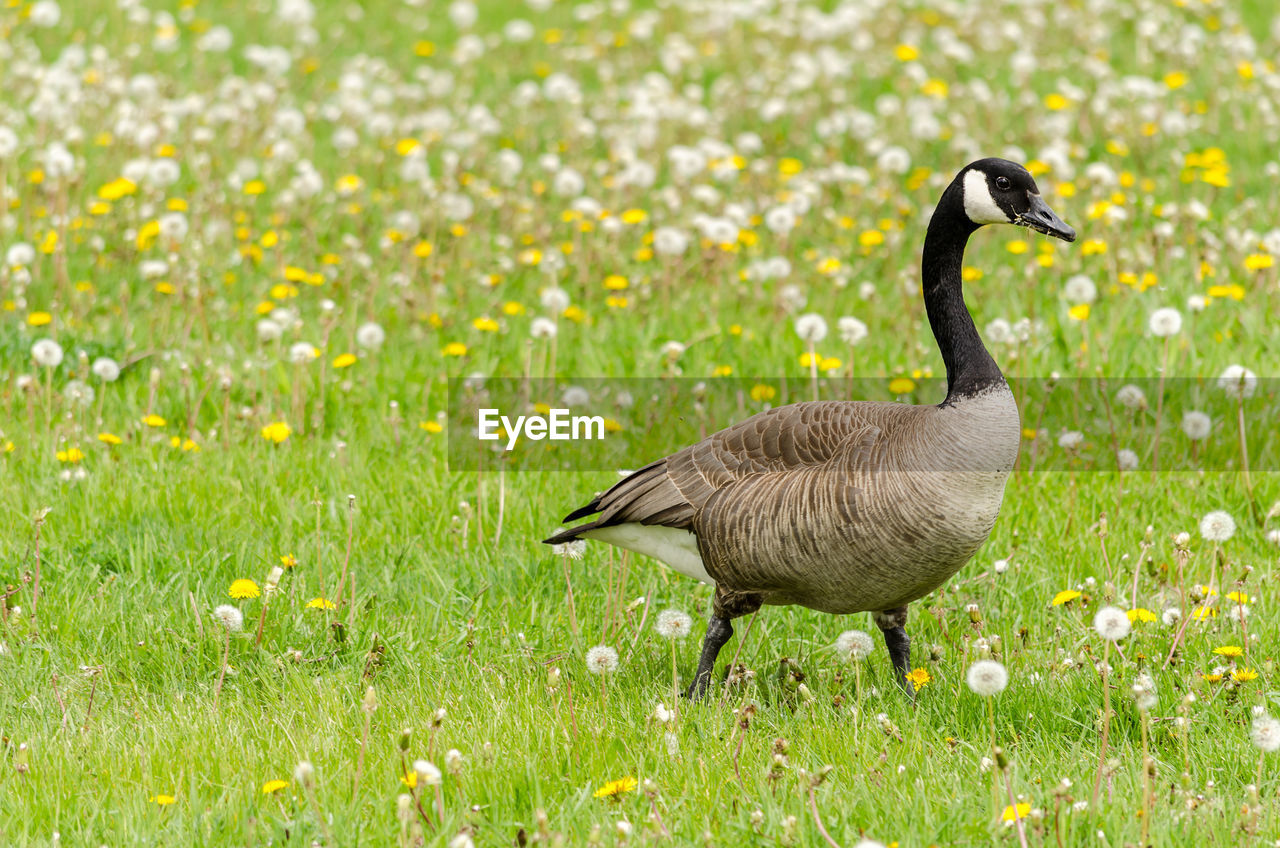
[1042, 219]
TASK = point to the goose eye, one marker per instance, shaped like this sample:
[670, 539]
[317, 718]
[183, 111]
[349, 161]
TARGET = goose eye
[1002, 183]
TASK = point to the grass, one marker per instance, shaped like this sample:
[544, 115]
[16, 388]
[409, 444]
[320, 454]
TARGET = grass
[107, 702]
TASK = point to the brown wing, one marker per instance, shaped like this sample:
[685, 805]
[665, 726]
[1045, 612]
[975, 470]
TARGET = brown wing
[672, 490]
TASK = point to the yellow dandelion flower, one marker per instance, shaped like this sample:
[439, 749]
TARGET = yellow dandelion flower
[970, 274]
[423, 249]
[162, 800]
[1204, 612]
[72, 455]
[431, 426]
[320, 603]
[1244, 675]
[919, 678]
[1056, 102]
[409, 779]
[1175, 80]
[1140, 614]
[109, 438]
[1079, 312]
[906, 53]
[344, 360]
[288, 560]
[1022, 811]
[634, 216]
[1239, 597]
[901, 385]
[1229, 651]
[454, 349]
[617, 787]
[1066, 595]
[1211, 678]
[348, 183]
[154, 420]
[616, 282]
[870, 238]
[1259, 261]
[485, 324]
[254, 187]
[273, 786]
[244, 588]
[39, 319]
[276, 431]
[1017, 247]
[405, 146]
[761, 392]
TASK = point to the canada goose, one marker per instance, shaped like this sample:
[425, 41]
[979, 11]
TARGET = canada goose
[845, 506]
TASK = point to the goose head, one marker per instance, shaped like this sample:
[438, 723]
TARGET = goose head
[997, 191]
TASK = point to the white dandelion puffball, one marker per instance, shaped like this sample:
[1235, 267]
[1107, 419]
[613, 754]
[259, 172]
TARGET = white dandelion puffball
[573, 550]
[1144, 693]
[851, 330]
[1070, 440]
[1196, 425]
[868, 843]
[673, 624]
[1080, 289]
[304, 773]
[268, 330]
[78, 393]
[1266, 733]
[1165, 322]
[370, 336]
[1273, 536]
[229, 617]
[668, 241]
[856, 645]
[1111, 623]
[1217, 526]
[554, 300]
[106, 369]
[811, 328]
[47, 353]
[20, 254]
[427, 772]
[1238, 382]
[44, 13]
[302, 352]
[1131, 397]
[1126, 459]
[542, 328]
[602, 660]
[987, 678]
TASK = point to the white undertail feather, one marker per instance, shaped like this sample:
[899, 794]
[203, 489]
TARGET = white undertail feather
[979, 205]
[671, 546]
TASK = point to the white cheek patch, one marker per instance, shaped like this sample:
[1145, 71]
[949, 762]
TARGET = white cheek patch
[979, 205]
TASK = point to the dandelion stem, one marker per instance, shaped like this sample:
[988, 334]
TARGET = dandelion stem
[817, 819]
[568, 582]
[1147, 800]
[1106, 722]
[93, 690]
[351, 533]
[222, 673]
[1017, 817]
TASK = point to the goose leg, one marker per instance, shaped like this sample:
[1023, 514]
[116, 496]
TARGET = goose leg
[727, 606]
[892, 624]
[719, 631]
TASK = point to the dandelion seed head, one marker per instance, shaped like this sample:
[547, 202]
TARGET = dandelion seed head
[304, 773]
[1111, 623]
[851, 330]
[106, 369]
[673, 624]
[1165, 322]
[987, 678]
[811, 328]
[229, 617]
[370, 336]
[47, 353]
[1238, 382]
[602, 660]
[428, 774]
[1265, 733]
[1196, 425]
[855, 645]
[1217, 526]
[1144, 692]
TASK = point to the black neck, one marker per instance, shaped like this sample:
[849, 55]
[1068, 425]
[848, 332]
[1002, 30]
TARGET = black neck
[970, 369]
